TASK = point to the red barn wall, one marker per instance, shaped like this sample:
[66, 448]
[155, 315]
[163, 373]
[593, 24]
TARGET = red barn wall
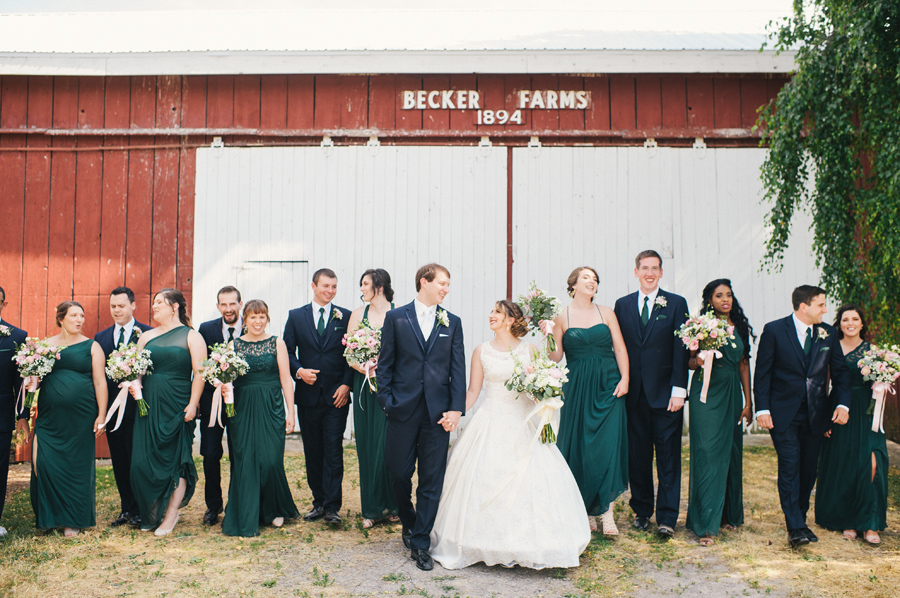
[97, 174]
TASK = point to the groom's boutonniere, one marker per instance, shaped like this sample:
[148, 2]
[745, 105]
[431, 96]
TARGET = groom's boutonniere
[823, 334]
[4, 331]
[336, 314]
[660, 302]
[136, 332]
[442, 318]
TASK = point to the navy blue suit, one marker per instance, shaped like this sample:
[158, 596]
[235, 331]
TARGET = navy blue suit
[792, 387]
[211, 438]
[418, 381]
[321, 423]
[10, 382]
[120, 441]
[657, 361]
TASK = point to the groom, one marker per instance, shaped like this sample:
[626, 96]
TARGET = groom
[422, 389]
[795, 359]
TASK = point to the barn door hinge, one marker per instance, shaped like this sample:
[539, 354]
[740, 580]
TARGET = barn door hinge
[535, 141]
[485, 141]
[217, 143]
[327, 142]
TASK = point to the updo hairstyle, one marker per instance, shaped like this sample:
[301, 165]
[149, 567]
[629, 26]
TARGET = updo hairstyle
[573, 278]
[63, 308]
[176, 299]
[381, 280]
[519, 327]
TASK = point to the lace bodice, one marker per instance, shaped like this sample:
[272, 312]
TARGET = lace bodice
[498, 367]
[262, 358]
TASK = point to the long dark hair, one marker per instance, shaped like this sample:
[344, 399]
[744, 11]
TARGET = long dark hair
[863, 331]
[380, 280]
[741, 323]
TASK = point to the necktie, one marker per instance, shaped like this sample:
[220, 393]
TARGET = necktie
[230, 333]
[320, 328]
[807, 344]
[645, 312]
[121, 338]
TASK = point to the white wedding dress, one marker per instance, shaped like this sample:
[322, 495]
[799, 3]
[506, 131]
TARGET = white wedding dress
[508, 499]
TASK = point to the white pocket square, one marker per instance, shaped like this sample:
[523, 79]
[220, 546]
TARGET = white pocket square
[443, 335]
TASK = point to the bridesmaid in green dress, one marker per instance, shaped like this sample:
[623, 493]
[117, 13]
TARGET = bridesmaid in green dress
[163, 475]
[592, 427]
[852, 487]
[715, 494]
[72, 406]
[258, 493]
[369, 421]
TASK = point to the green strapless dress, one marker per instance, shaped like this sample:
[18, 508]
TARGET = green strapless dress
[63, 474]
[592, 426]
[259, 490]
[846, 495]
[162, 439]
[715, 494]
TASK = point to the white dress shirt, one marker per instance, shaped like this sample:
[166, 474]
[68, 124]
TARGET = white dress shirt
[677, 391]
[426, 316]
[238, 328]
[318, 316]
[129, 327]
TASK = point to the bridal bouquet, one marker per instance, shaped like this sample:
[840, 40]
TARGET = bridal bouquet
[223, 367]
[126, 365]
[35, 359]
[362, 347]
[706, 333]
[542, 380]
[882, 367]
[537, 305]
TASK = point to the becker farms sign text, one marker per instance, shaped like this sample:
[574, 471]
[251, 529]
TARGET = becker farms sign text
[469, 99]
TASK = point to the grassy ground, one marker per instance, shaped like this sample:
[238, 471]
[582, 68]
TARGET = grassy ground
[317, 560]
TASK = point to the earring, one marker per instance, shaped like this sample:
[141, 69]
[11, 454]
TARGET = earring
[571, 293]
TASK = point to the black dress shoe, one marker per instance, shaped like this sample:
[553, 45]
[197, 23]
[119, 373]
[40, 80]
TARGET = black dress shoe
[422, 558]
[797, 538]
[210, 517]
[332, 517]
[406, 534]
[134, 521]
[810, 535]
[120, 520]
[314, 515]
[641, 523]
[665, 532]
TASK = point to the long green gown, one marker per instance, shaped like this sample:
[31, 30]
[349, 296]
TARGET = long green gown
[846, 495]
[63, 472]
[370, 425]
[259, 490]
[162, 439]
[715, 493]
[592, 427]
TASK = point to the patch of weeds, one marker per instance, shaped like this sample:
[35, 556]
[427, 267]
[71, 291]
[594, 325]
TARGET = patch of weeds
[194, 560]
[301, 593]
[359, 526]
[812, 557]
[269, 584]
[321, 579]
[559, 573]
[443, 577]
[396, 576]
[309, 538]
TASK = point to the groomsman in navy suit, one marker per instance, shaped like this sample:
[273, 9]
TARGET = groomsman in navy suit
[313, 335]
[223, 329]
[657, 361]
[796, 357]
[422, 389]
[125, 330]
[10, 382]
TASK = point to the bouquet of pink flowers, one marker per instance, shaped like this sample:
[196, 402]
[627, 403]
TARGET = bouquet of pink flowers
[542, 380]
[362, 347]
[35, 359]
[223, 367]
[706, 333]
[882, 368]
[126, 365]
[537, 305]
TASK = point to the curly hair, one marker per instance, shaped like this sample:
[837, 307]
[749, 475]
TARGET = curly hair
[519, 327]
[741, 323]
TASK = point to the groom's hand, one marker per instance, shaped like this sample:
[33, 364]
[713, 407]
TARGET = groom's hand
[764, 421]
[307, 375]
[450, 421]
[341, 396]
[675, 404]
[841, 416]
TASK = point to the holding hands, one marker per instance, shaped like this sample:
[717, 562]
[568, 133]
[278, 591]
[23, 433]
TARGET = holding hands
[450, 421]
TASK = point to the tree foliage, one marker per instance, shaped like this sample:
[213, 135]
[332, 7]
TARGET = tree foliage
[833, 134]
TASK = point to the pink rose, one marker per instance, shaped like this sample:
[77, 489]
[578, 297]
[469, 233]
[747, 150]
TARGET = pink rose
[730, 330]
[223, 366]
[371, 342]
[529, 369]
[555, 373]
[865, 371]
[714, 334]
[694, 346]
[30, 359]
[354, 345]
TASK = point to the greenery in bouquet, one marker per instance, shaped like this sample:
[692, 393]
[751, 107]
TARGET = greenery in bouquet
[537, 305]
[542, 380]
[35, 359]
[362, 347]
[222, 368]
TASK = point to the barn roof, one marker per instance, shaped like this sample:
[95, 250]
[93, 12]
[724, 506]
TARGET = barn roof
[399, 38]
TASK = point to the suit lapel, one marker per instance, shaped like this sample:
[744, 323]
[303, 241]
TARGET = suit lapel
[634, 317]
[434, 332]
[310, 319]
[795, 342]
[330, 326]
[654, 313]
[814, 348]
[414, 322]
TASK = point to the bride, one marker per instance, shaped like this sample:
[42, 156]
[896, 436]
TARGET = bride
[508, 499]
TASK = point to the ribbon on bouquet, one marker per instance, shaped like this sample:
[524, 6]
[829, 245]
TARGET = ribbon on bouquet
[545, 410]
[707, 370]
[879, 393]
[121, 400]
[224, 393]
[551, 341]
[370, 378]
[29, 384]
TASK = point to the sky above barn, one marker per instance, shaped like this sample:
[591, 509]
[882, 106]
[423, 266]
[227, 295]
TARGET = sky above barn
[102, 26]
